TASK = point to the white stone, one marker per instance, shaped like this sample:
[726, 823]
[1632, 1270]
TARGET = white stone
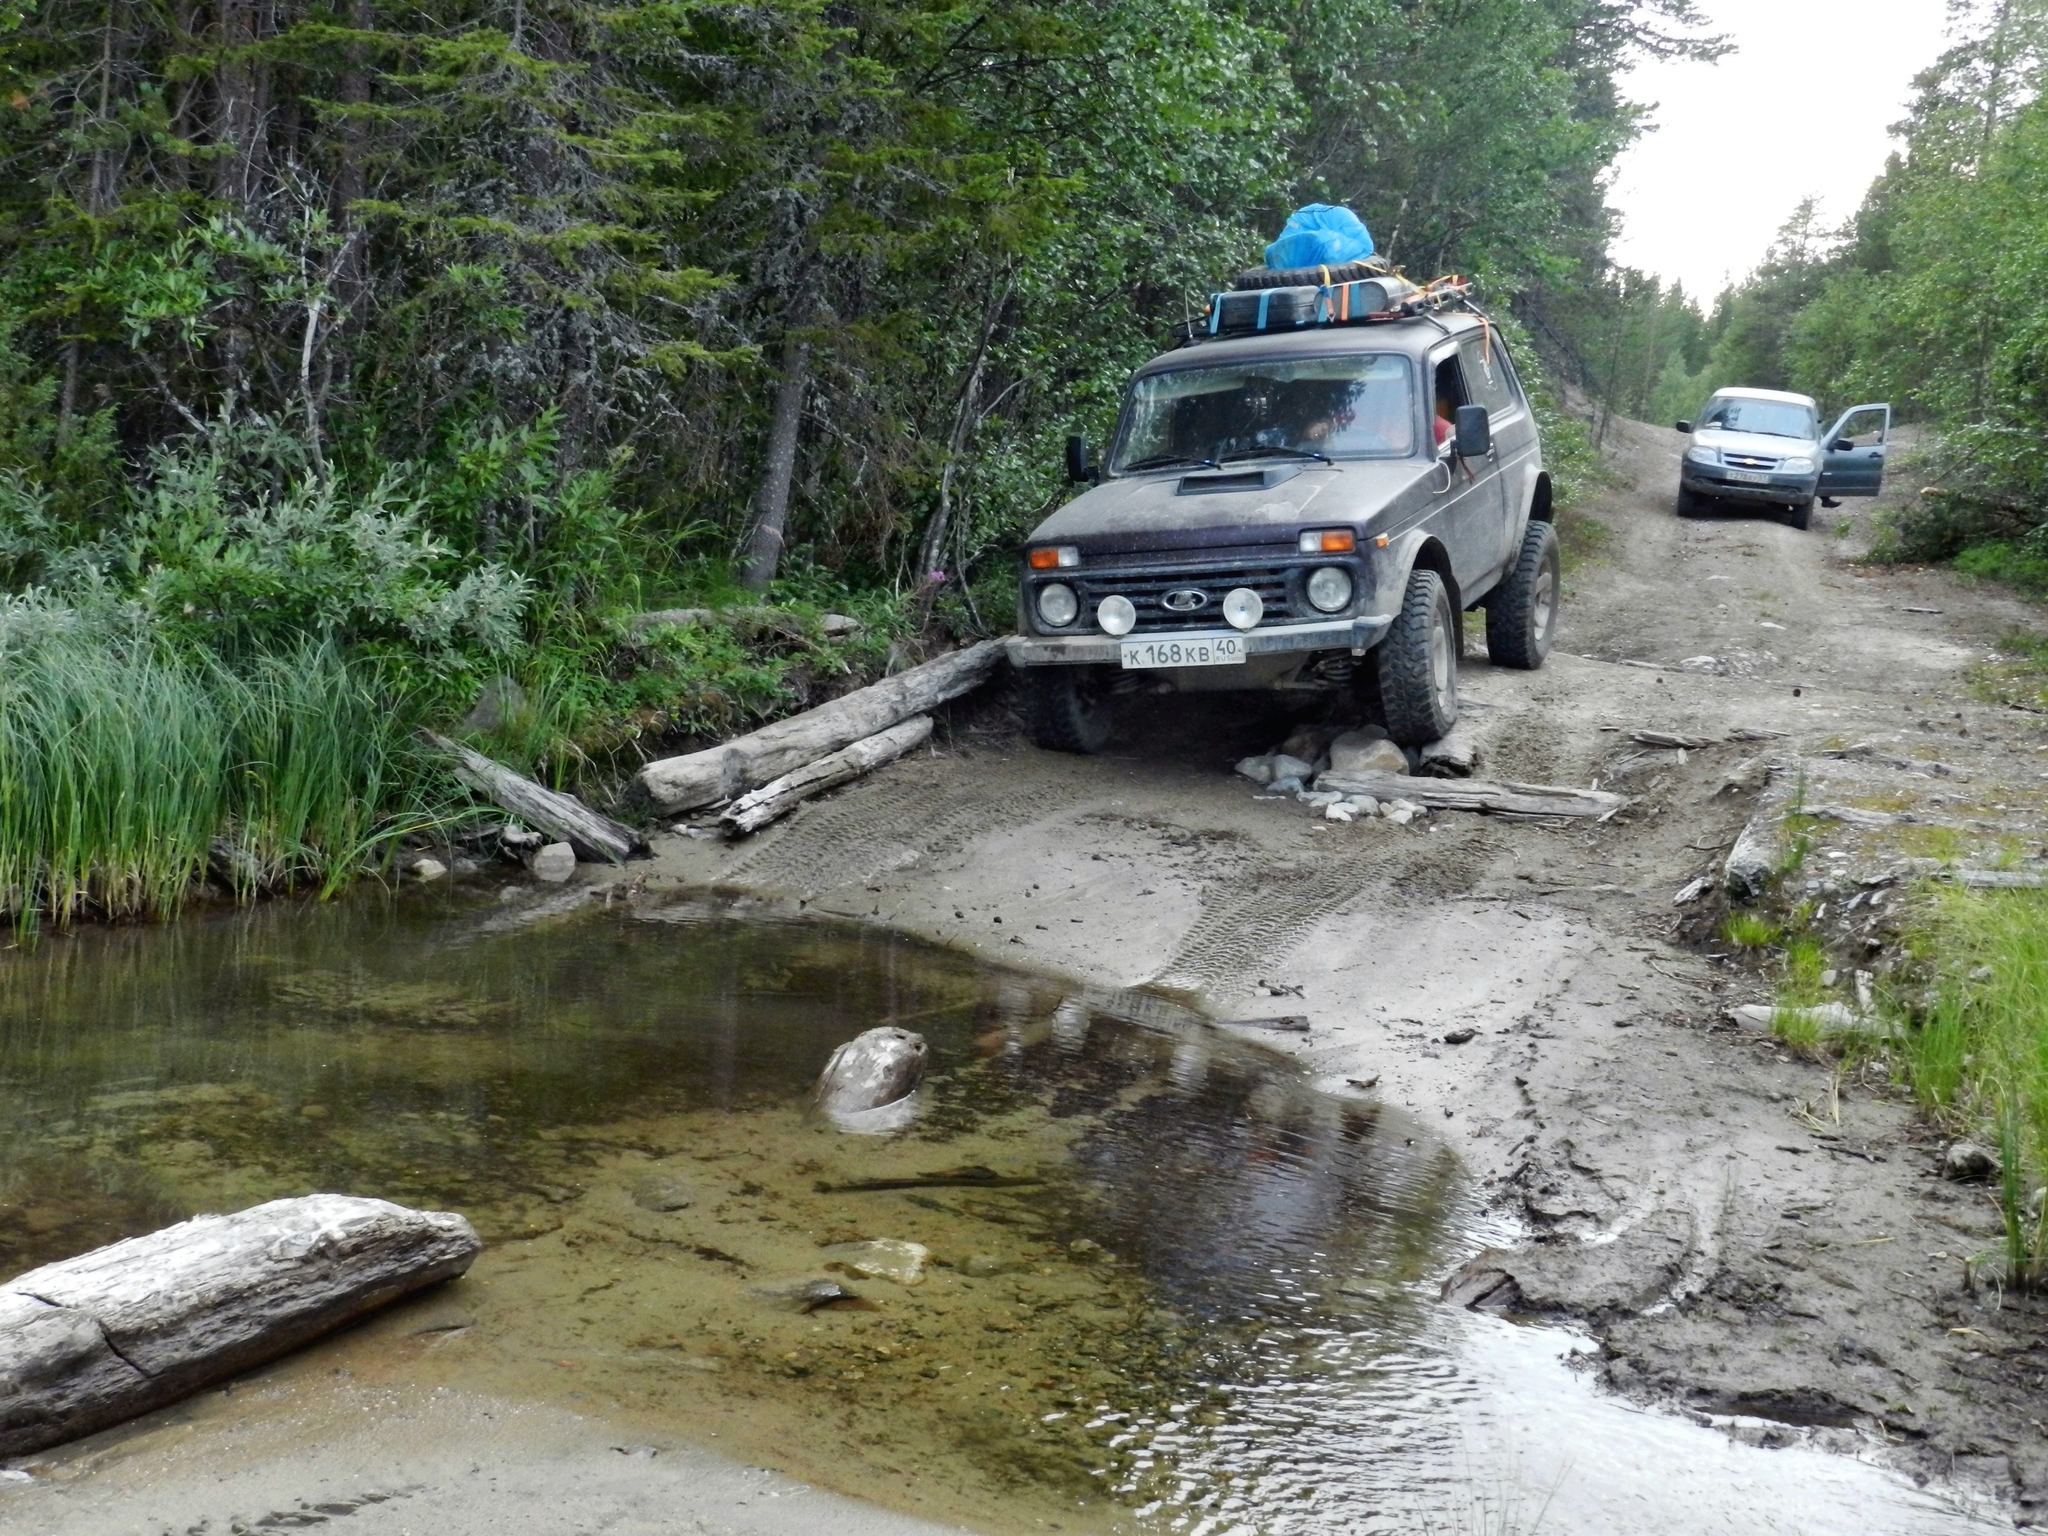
[1258, 769]
[424, 870]
[554, 863]
[881, 1258]
[1339, 811]
[1285, 767]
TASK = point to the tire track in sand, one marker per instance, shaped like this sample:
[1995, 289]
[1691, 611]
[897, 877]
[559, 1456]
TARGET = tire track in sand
[881, 827]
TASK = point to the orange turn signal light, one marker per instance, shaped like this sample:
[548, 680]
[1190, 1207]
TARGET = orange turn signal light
[1328, 541]
[1045, 559]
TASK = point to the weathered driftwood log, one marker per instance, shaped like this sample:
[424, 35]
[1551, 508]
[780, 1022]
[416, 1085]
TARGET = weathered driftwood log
[1477, 795]
[124, 1329]
[1671, 740]
[597, 839]
[728, 771]
[779, 797]
[1754, 858]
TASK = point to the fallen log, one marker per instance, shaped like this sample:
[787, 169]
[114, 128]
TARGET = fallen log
[832, 625]
[597, 839]
[90, 1341]
[1476, 795]
[1672, 740]
[726, 772]
[1753, 859]
[779, 797]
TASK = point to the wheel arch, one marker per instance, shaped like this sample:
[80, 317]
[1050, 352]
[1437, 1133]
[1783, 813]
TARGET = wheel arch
[1541, 508]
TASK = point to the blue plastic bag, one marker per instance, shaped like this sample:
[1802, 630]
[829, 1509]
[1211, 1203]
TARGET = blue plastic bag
[1320, 235]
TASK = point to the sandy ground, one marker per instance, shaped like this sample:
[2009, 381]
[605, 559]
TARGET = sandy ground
[1768, 1237]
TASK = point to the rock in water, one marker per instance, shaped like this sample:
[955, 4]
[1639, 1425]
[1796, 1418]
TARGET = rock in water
[805, 1295]
[662, 1192]
[881, 1258]
[873, 1071]
[90, 1341]
[554, 863]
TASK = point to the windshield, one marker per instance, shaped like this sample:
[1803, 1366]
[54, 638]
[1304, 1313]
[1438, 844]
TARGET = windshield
[1772, 418]
[1337, 407]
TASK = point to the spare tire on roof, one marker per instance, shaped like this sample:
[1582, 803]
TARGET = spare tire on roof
[1305, 277]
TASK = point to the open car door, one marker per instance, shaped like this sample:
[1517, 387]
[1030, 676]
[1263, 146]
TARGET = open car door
[1852, 462]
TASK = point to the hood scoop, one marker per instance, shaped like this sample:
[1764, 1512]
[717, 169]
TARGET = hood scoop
[1264, 478]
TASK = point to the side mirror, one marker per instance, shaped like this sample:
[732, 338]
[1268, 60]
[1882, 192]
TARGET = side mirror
[1472, 431]
[1079, 471]
[1841, 445]
[1684, 426]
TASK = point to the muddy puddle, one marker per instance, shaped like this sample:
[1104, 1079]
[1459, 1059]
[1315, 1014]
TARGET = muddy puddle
[1126, 1271]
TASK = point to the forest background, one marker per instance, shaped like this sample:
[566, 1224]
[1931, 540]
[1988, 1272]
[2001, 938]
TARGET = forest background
[362, 365]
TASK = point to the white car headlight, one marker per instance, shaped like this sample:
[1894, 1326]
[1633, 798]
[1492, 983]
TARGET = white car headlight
[1116, 615]
[1057, 604]
[1704, 455]
[1329, 589]
[1796, 466]
[1243, 608]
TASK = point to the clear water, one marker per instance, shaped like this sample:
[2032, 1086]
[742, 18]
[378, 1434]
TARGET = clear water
[1213, 1311]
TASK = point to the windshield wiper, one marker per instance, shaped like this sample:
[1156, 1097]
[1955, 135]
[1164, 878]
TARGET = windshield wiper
[1166, 460]
[1265, 448]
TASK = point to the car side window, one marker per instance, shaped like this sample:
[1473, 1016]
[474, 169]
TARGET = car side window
[1487, 372]
[1448, 392]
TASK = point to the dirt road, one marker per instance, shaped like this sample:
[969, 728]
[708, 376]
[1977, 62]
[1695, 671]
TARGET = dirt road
[1774, 1240]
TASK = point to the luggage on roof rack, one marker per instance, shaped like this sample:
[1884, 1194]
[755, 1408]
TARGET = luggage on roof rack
[1249, 312]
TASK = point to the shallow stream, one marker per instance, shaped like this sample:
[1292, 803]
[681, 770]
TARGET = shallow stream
[1171, 1286]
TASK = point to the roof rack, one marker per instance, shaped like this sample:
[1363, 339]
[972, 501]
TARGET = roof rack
[1367, 301]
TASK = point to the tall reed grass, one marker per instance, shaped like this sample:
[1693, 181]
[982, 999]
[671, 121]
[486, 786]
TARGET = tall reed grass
[128, 766]
[1980, 1057]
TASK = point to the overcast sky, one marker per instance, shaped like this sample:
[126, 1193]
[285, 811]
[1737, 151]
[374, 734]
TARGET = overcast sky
[1802, 107]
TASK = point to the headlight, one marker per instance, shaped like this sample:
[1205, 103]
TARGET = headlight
[1057, 604]
[1329, 589]
[1796, 466]
[1243, 608]
[1116, 615]
[1704, 455]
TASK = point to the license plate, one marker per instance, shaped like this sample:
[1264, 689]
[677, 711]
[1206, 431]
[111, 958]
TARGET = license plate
[1744, 477]
[1223, 651]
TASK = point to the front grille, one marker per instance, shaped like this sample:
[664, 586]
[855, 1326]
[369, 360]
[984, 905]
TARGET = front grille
[1146, 590]
[1748, 461]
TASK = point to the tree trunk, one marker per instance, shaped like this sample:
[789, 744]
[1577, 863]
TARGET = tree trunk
[723, 773]
[779, 797]
[90, 1341]
[1474, 795]
[597, 839]
[763, 552]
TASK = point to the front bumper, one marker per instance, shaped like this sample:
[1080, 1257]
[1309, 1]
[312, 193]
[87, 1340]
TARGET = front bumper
[1355, 635]
[1780, 490]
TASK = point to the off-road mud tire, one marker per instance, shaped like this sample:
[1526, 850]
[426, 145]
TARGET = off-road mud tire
[1521, 613]
[1800, 515]
[1418, 664]
[1304, 277]
[1068, 708]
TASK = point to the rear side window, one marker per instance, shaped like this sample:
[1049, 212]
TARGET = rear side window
[1486, 373]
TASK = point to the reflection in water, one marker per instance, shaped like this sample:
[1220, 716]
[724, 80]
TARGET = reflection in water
[1197, 1299]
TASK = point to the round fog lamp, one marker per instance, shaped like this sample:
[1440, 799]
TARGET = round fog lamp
[1329, 589]
[1116, 615]
[1243, 609]
[1057, 604]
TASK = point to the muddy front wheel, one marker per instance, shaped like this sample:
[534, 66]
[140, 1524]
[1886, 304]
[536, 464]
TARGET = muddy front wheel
[1069, 708]
[1418, 664]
